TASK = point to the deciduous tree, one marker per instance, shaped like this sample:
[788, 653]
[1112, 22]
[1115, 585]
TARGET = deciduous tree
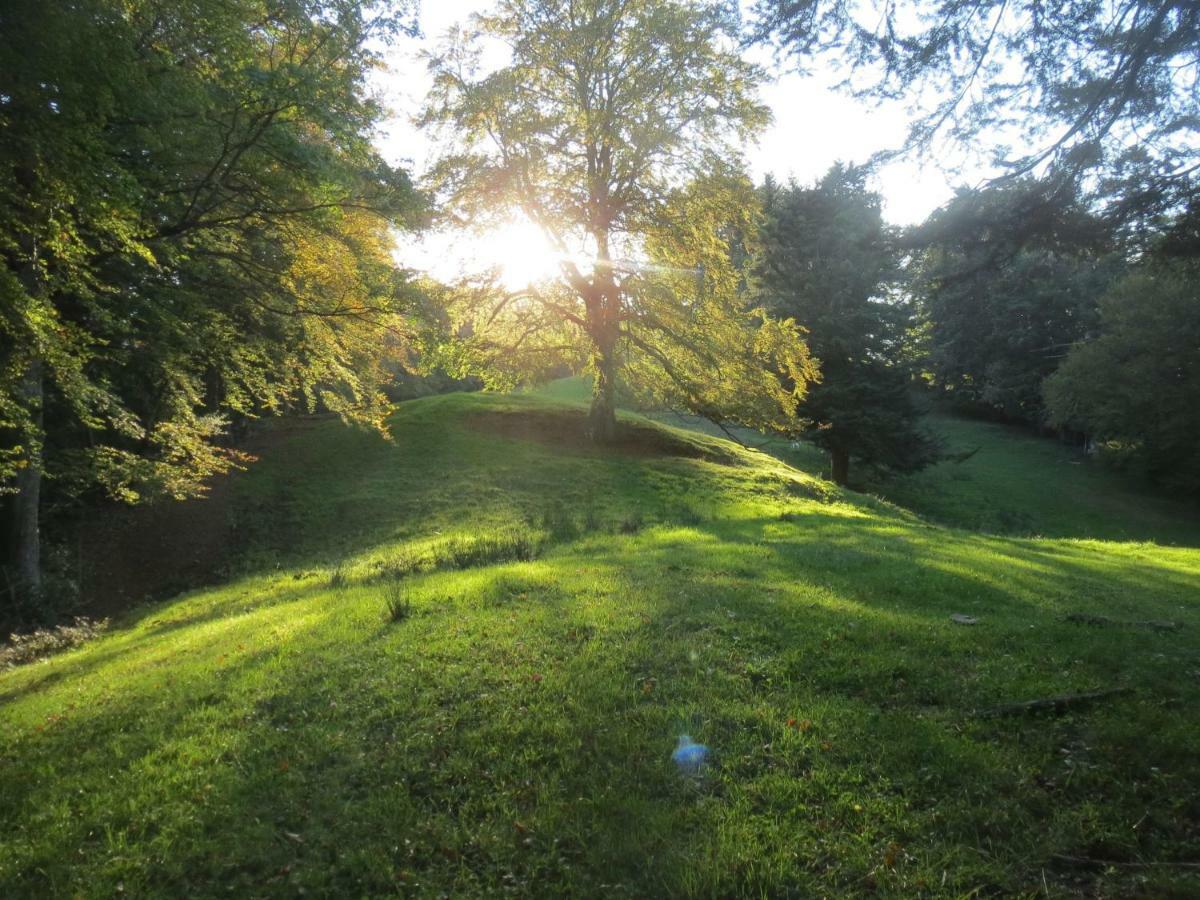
[615, 127]
[1135, 385]
[194, 224]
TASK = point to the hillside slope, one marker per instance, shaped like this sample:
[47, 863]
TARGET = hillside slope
[563, 616]
[999, 479]
[1015, 482]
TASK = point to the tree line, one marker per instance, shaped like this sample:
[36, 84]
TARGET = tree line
[196, 230]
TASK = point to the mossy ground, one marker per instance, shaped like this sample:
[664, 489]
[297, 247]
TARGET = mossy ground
[571, 612]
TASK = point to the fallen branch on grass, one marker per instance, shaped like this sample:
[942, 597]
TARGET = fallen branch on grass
[1089, 619]
[1059, 704]
[1102, 863]
[960, 458]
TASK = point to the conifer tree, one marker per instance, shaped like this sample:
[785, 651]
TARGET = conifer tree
[827, 260]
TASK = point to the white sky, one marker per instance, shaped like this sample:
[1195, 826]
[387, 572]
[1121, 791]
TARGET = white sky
[813, 128]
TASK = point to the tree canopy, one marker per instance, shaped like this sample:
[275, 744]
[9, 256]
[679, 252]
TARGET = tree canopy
[615, 126]
[1081, 87]
[195, 225]
[1134, 387]
[1005, 280]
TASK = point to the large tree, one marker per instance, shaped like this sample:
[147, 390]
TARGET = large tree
[615, 127]
[194, 225]
[1086, 87]
[827, 260]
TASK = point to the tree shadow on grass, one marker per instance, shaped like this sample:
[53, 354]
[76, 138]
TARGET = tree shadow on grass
[882, 562]
[348, 773]
[514, 734]
[131, 646]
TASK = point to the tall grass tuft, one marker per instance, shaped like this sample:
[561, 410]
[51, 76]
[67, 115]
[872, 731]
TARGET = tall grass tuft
[463, 553]
[340, 576]
[482, 550]
[397, 606]
[631, 523]
[558, 523]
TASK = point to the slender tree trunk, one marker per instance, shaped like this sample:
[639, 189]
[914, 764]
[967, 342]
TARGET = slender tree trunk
[24, 557]
[841, 465]
[24, 506]
[602, 418]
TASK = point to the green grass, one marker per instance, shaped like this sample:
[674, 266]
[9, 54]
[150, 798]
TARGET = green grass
[564, 615]
[1018, 483]
[1013, 483]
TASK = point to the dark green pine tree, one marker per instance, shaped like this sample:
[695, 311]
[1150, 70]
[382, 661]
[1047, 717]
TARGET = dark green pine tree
[827, 260]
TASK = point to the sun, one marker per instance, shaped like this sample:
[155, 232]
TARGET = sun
[521, 252]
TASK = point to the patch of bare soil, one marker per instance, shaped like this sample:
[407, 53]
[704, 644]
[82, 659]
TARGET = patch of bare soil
[567, 430]
[123, 555]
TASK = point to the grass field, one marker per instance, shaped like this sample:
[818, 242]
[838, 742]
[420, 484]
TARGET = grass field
[1011, 482]
[1019, 483]
[457, 663]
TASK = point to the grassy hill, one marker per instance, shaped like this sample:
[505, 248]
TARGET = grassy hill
[457, 663]
[1015, 482]
[999, 479]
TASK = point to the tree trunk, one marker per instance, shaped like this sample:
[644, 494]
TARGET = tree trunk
[24, 557]
[23, 561]
[603, 303]
[602, 418]
[841, 466]
[25, 550]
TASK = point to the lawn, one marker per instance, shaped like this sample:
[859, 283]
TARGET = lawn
[994, 478]
[457, 663]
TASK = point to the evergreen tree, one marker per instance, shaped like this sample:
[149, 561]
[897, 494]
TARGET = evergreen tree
[1005, 281]
[1097, 94]
[827, 260]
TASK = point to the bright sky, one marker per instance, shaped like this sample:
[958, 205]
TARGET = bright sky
[813, 128]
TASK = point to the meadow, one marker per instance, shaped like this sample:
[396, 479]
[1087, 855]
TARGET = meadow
[457, 662]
